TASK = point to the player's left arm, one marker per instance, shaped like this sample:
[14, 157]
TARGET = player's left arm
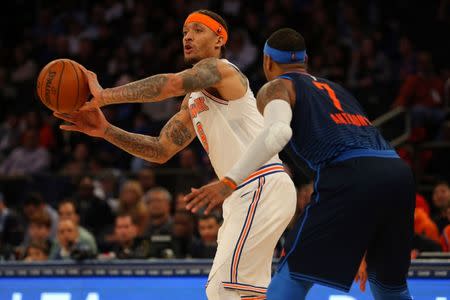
[274, 102]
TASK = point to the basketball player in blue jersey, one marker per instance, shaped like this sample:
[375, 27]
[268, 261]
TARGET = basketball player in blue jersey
[363, 196]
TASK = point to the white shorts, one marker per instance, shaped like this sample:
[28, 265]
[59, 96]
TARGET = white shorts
[255, 216]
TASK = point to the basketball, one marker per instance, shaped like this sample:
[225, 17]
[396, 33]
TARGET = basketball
[62, 86]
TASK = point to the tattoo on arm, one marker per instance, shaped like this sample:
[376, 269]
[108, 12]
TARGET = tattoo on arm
[204, 74]
[139, 91]
[175, 135]
[274, 89]
[146, 147]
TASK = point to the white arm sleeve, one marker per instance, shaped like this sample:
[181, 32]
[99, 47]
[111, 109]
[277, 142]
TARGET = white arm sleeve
[275, 135]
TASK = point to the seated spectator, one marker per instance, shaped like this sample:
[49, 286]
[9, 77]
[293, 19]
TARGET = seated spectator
[158, 201]
[441, 200]
[67, 210]
[35, 203]
[424, 226]
[131, 202]
[185, 244]
[189, 163]
[208, 228]
[37, 251]
[423, 93]
[146, 178]
[422, 203]
[27, 159]
[69, 243]
[128, 244]
[38, 231]
[95, 214]
[11, 230]
[108, 180]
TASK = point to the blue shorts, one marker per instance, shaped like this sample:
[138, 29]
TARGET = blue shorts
[358, 205]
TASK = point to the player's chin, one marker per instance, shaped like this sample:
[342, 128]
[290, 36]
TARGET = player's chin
[191, 59]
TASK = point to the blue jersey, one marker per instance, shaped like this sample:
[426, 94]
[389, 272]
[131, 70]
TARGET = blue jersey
[329, 124]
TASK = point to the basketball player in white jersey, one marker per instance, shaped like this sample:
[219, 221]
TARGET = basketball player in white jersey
[220, 109]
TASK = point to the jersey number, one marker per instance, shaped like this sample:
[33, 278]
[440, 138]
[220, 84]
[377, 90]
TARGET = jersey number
[331, 94]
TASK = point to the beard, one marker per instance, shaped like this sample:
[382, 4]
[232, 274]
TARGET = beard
[192, 60]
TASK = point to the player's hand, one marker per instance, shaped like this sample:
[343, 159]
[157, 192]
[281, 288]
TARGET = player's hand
[95, 87]
[361, 276]
[209, 196]
[89, 119]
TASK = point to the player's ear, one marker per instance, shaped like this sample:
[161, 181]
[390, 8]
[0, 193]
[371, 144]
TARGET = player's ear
[219, 41]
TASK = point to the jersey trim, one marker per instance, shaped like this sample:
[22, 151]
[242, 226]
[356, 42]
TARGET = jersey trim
[214, 98]
[263, 171]
[245, 231]
[365, 153]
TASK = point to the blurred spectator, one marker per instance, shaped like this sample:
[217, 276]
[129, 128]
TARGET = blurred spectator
[128, 243]
[37, 251]
[34, 203]
[158, 201]
[208, 228]
[78, 162]
[25, 68]
[424, 226]
[11, 230]
[95, 214]
[35, 120]
[69, 243]
[146, 178]
[131, 202]
[422, 203]
[28, 158]
[445, 238]
[240, 50]
[108, 180]
[38, 231]
[185, 244]
[188, 163]
[67, 210]
[423, 94]
[408, 59]
[441, 201]
[9, 136]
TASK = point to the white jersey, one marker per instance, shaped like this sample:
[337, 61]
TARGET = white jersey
[226, 128]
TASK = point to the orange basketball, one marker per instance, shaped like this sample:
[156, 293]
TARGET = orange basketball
[62, 86]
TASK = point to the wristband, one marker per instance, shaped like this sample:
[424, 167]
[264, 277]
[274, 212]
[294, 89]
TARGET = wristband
[229, 183]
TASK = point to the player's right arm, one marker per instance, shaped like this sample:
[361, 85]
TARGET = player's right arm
[175, 135]
[207, 73]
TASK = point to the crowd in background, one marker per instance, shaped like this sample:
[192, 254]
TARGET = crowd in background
[65, 194]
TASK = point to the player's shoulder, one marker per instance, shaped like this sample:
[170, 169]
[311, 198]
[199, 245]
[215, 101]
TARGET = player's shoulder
[223, 66]
[275, 88]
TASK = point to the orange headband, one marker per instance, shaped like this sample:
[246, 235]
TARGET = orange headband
[208, 22]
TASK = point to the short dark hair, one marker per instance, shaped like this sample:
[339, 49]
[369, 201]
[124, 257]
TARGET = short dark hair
[210, 216]
[221, 21]
[71, 202]
[287, 39]
[34, 199]
[41, 218]
[133, 217]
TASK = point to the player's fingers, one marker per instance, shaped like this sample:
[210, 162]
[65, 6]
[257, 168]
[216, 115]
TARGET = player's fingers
[202, 203]
[193, 201]
[197, 202]
[64, 117]
[211, 205]
[69, 128]
[191, 195]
